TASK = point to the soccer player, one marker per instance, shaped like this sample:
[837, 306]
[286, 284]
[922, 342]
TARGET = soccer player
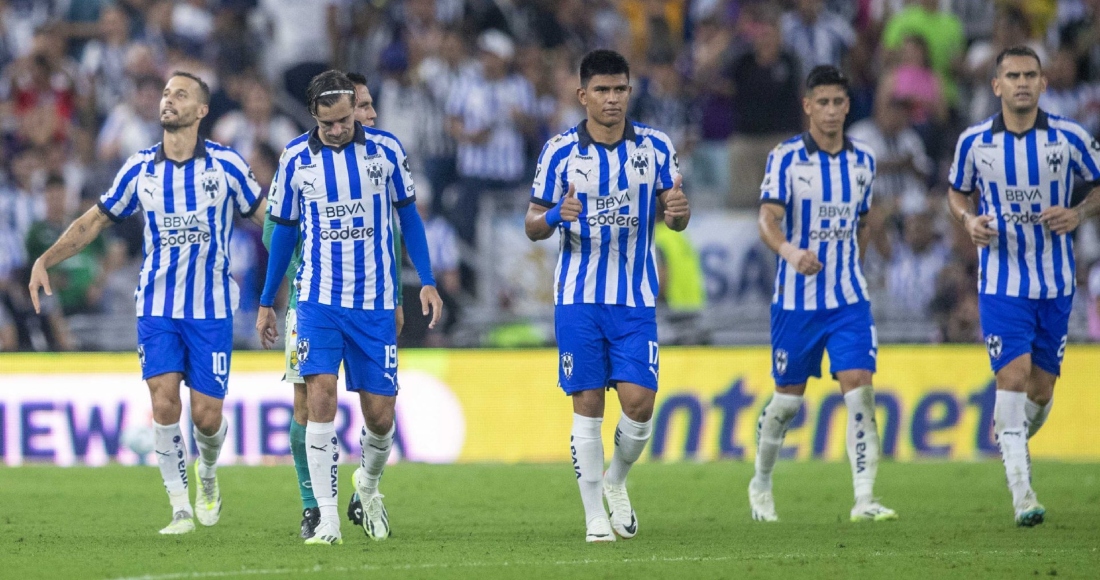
[339, 184]
[1021, 163]
[311, 514]
[599, 185]
[816, 188]
[187, 189]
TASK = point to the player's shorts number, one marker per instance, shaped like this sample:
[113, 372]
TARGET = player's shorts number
[391, 356]
[221, 363]
[1062, 348]
[654, 353]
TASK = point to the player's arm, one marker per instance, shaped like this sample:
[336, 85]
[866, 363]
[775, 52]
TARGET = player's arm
[1085, 152]
[771, 233]
[548, 209]
[81, 232]
[259, 213]
[282, 241]
[677, 209]
[961, 207]
[541, 222]
[403, 197]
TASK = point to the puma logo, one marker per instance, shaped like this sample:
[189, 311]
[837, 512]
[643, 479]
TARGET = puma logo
[391, 376]
[583, 173]
[164, 453]
[148, 191]
[806, 180]
[988, 162]
[321, 448]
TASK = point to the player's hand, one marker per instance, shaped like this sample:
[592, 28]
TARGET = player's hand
[978, 228]
[805, 262]
[676, 203]
[265, 326]
[399, 318]
[571, 206]
[1060, 220]
[40, 279]
[431, 302]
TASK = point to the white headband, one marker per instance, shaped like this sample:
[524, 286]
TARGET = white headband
[341, 92]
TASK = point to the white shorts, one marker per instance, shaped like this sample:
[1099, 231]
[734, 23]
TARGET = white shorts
[291, 347]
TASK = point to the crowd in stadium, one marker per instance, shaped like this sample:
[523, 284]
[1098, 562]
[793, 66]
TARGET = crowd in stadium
[473, 88]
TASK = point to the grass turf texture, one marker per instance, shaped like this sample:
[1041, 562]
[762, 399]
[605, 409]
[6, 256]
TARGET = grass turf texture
[495, 521]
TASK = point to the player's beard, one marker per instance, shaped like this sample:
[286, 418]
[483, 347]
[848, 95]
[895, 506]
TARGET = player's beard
[177, 124]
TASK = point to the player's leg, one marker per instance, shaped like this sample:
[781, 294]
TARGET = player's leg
[853, 350]
[311, 515]
[635, 367]
[370, 368]
[583, 371]
[320, 349]
[798, 341]
[209, 345]
[1047, 351]
[161, 353]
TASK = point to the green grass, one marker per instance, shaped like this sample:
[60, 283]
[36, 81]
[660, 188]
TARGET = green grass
[490, 521]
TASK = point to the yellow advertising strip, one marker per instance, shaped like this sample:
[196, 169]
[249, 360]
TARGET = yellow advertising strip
[933, 402]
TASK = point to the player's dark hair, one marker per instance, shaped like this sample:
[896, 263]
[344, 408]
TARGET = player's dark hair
[824, 75]
[603, 62]
[327, 88]
[356, 78]
[204, 89]
[1019, 50]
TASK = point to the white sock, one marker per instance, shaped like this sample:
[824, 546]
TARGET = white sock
[630, 439]
[771, 428]
[209, 448]
[1036, 415]
[172, 458]
[862, 440]
[376, 451]
[322, 455]
[586, 444]
[1010, 429]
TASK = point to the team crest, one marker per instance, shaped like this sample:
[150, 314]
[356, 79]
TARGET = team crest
[861, 180]
[375, 174]
[210, 183]
[303, 350]
[567, 364]
[141, 355]
[1054, 161]
[780, 361]
[994, 344]
[640, 161]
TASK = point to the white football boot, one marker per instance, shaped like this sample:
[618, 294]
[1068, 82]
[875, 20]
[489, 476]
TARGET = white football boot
[624, 521]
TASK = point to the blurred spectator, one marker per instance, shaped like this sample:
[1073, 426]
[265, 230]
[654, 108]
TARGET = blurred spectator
[78, 281]
[1093, 295]
[488, 113]
[192, 20]
[679, 272]
[439, 74]
[766, 90]
[42, 89]
[1065, 96]
[103, 62]
[21, 205]
[133, 125]
[914, 82]
[1009, 29]
[654, 25]
[902, 167]
[942, 34]
[9, 334]
[914, 263]
[710, 83]
[817, 36]
[660, 100]
[303, 41]
[255, 123]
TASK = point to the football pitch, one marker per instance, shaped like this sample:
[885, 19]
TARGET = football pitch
[525, 521]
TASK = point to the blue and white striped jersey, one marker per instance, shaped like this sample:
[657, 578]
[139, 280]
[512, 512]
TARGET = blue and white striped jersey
[1017, 177]
[825, 196]
[188, 210]
[606, 256]
[343, 198]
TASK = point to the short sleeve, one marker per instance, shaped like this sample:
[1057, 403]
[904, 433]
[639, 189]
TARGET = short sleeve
[668, 164]
[549, 184]
[962, 175]
[868, 189]
[1084, 152]
[401, 189]
[282, 201]
[775, 187]
[121, 200]
[242, 182]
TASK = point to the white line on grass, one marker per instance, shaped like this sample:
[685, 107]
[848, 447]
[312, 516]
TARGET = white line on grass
[582, 562]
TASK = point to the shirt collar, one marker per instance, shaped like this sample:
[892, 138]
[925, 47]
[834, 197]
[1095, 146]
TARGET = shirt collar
[200, 153]
[1041, 122]
[358, 136]
[812, 148]
[584, 139]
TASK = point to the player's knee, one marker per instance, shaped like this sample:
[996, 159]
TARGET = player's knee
[380, 424]
[640, 411]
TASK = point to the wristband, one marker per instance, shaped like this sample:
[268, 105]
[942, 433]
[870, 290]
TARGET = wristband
[553, 216]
